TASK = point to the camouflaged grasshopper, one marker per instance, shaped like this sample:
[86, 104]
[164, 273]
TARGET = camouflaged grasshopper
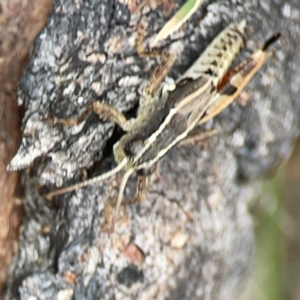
[168, 113]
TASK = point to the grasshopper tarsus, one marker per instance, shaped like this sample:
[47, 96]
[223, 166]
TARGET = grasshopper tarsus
[141, 32]
[48, 197]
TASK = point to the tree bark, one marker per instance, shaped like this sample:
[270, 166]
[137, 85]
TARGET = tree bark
[192, 238]
[20, 22]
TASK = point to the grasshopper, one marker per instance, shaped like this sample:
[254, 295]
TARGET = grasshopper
[168, 113]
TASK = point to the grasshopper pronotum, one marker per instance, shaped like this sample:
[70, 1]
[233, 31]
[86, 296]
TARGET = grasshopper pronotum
[167, 114]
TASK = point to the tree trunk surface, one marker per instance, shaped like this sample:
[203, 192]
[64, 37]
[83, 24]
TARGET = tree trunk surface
[192, 238]
[20, 22]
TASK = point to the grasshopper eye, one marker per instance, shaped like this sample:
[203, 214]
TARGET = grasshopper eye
[133, 147]
[128, 147]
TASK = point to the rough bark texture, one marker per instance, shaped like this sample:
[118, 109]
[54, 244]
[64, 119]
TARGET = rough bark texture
[192, 238]
[20, 21]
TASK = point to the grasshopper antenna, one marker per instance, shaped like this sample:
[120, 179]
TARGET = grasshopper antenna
[271, 41]
[77, 186]
[120, 197]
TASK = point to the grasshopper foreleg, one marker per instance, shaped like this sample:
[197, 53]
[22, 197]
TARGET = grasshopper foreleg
[105, 111]
[160, 72]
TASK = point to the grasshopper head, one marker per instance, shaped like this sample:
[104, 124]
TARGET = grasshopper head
[129, 146]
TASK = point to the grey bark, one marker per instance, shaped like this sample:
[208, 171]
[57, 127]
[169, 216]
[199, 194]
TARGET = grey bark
[192, 238]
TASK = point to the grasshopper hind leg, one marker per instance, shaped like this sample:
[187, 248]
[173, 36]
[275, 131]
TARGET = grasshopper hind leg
[198, 136]
[234, 81]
